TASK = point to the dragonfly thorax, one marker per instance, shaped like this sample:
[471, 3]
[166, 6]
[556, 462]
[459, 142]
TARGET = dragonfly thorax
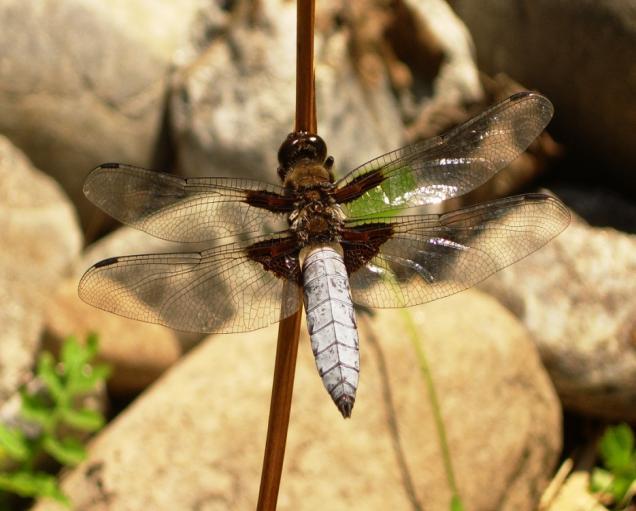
[317, 221]
[307, 174]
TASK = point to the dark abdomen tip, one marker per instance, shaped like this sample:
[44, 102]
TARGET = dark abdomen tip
[345, 405]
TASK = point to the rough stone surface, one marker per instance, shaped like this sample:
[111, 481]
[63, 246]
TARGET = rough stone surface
[195, 439]
[82, 83]
[421, 46]
[234, 106]
[235, 103]
[457, 79]
[581, 55]
[40, 239]
[577, 296]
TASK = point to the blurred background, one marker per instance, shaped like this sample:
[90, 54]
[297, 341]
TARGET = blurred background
[530, 367]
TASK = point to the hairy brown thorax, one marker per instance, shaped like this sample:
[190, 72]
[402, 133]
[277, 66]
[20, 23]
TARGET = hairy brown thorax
[316, 217]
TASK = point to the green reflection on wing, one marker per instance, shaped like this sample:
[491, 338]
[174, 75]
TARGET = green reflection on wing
[388, 198]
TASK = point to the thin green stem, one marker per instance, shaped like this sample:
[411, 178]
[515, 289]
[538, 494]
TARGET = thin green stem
[437, 414]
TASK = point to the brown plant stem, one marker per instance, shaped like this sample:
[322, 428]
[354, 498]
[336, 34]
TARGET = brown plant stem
[305, 91]
[289, 329]
[279, 410]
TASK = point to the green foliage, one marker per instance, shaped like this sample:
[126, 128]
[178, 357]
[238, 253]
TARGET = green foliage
[618, 478]
[27, 483]
[54, 412]
[394, 191]
[456, 504]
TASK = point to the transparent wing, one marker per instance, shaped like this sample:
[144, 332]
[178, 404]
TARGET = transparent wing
[447, 166]
[218, 290]
[432, 256]
[185, 210]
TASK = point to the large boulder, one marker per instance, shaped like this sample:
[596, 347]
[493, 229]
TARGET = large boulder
[195, 440]
[40, 240]
[234, 105]
[85, 82]
[577, 296]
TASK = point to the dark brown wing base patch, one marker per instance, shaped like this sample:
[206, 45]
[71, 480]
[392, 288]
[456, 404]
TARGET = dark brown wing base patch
[362, 243]
[271, 201]
[359, 186]
[279, 256]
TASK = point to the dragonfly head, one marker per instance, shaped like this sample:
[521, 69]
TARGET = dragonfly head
[297, 147]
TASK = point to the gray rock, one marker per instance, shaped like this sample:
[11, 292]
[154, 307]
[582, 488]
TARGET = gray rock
[234, 106]
[501, 414]
[84, 83]
[581, 55]
[577, 296]
[40, 239]
[457, 80]
[421, 46]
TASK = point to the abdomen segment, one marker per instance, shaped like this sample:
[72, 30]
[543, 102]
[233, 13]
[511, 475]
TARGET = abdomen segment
[331, 323]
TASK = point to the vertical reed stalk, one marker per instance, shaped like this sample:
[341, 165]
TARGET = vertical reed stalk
[289, 329]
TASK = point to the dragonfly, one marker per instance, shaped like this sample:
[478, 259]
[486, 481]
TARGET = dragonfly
[328, 244]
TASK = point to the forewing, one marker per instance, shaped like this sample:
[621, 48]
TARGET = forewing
[186, 210]
[447, 166]
[218, 290]
[432, 256]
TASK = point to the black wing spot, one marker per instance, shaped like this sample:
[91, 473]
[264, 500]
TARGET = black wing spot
[109, 166]
[520, 95]
[106, 262]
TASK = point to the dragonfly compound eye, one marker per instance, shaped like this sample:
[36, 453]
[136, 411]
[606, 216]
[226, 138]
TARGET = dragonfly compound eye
[300, 146]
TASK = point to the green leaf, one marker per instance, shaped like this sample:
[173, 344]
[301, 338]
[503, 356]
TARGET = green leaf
[30, 484]
[68, 451]
[86, 420]
[88, 379]
[82, 376]
[92, 345]
[616, 447]
[395, 191]
[620, 486]
[35, 410]
[456, 504]
[47, 374]
[101, 372]
[617, 452]
[14, 443]
[601, 480]
[73, 356]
